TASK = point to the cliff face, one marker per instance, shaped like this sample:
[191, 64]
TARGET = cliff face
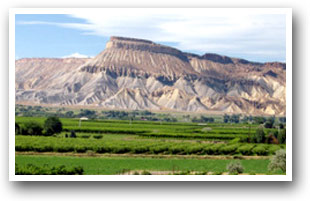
[139, 74]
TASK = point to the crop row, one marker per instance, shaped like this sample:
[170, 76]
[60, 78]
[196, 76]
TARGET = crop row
[164, 135]
[140, 125]
[80, 145]
[31, 169]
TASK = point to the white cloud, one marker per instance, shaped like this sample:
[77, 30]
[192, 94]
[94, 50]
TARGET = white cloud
[77, 55]
[199, 30]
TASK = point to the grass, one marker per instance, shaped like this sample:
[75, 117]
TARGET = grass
[116, 165]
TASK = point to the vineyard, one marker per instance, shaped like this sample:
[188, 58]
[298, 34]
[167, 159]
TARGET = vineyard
[125, 137]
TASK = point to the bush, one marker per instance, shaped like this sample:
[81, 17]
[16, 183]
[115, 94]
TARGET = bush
[245, 149]
[260, 151]
[278, 161]
[32, 128]
[230, 149]
[235, 167]
[52, 125]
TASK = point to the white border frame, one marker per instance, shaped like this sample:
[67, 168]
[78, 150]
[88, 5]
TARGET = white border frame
[13, 177]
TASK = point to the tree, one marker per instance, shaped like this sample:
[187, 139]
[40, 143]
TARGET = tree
[72, 134]
[278, 161]
[226, 118]
[52, 125]
[234, 118]
[282, 119]
[31, 128]
[259, 120]
[269, 123]
[88, 113]
[272, 139]
[259, 136]
[282, 136]
[195, 119]
[69, 114]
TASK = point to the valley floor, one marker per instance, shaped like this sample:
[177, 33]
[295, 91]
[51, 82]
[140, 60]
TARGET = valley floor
[117, 147]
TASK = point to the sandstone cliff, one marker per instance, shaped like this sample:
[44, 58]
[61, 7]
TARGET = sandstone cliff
[139, 74]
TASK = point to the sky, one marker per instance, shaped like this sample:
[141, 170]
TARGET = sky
[251, 36]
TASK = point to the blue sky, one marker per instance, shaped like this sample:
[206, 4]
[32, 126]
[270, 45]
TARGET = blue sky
[43, 40]
[256, 37]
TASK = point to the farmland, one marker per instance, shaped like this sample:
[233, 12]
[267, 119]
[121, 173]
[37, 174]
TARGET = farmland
[118, 165]
[101, 145]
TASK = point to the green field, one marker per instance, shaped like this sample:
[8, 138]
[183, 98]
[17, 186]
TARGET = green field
[125, 139]
[210, 131]
[118, 165]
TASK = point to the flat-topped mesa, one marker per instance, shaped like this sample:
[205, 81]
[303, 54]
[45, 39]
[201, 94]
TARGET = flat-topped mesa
[217, 58]
[114, 38]
[143, 45]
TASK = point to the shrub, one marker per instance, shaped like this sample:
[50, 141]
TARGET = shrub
[230, 149]
[52, 125]
[136, 173]
[32, 128]
[245, 149]
[260, 150]
[235, 167]
[278, 161]
[272, 149]
[215, 149]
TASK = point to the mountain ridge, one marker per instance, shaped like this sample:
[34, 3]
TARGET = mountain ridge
[150, 74]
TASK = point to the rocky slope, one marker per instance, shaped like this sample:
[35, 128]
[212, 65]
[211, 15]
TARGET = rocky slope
[140, 74]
